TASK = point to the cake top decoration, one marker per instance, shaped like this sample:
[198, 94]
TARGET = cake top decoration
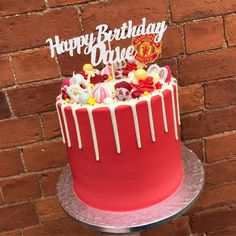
[96, 43]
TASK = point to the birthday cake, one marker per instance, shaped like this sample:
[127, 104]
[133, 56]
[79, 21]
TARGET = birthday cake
[122, 135]
[121, 123]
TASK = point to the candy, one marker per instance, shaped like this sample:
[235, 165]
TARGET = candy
[107, 70]
[101, 92]
[83, 98]
[140, 74]
[91, 101]
[122, 94]
[146, 93]
[165, 74]
[87, 67]
[123, 84]
[78, 86]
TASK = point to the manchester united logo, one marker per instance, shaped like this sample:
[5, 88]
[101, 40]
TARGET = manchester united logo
[147, 50]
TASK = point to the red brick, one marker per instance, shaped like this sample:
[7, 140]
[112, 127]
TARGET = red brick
[178, 227]
[45, 155]
[5, 72]
[28, 31]
[204, 35]
[4, 108]
[225, 232]
[35, 98]
[51, 124]
[220, 172]
[202, 67]
[11, 233]
[48, 181]
[115, 14]
[230, 29]
[17, 217]
[10, 163]
[225, 89]
[214, 220]
[208, 123]
[20, 188]
[49, 210]
[20, 131]
[55, 3]
[222, 146]
[191, 98]
[197, 147]
[216, 196]
[34, 65]
[70, 64]
[1, 199]
[64, 227]
[172, 42]
[187, 10]
[11, 7]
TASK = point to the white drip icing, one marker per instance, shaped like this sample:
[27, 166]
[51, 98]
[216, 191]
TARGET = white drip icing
[136, 126]
[115, 129]
[112, 108]
[65, 123]
[151, 119]
[164, 112]
[77, 126]
[177, 103]
[94, 135]
[174, 112]
[59, 116]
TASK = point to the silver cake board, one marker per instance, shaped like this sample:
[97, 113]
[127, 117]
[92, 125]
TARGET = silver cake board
[131, 221]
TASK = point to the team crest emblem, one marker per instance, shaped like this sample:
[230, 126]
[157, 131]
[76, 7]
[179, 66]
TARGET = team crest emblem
[146, 49]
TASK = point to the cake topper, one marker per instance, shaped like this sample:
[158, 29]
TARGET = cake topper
[95, 44]
[146, 47]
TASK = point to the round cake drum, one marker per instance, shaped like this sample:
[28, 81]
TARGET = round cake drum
[124, 222]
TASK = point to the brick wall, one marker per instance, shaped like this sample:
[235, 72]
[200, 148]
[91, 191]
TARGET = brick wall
[200, 47]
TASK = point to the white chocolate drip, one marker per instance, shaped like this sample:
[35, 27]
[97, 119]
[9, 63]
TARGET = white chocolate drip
[163, 112]
[77, 126]
[151, 119]
[112, 108]
[115, 129]
[177, 102]
[94, 135]
[65, 123]
[59, 116]
[136, 126]
[174, 112]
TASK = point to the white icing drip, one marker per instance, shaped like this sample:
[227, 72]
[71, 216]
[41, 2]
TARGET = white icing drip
[77, 126]
[164, 112]
[174, 112]
[95, 142]
[177, 102]
[115, 129]
[136, 126]
[65, 124]
[59, 116]
[151, 120]
[112, 108]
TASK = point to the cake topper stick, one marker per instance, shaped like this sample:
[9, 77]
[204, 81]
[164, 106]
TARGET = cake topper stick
[112, 65]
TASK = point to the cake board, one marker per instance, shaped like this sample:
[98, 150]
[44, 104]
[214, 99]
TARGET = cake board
[132, 221]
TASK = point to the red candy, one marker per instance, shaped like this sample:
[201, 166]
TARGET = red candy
[144, 85]
[128, 68]
[98, 79]
[123, 84]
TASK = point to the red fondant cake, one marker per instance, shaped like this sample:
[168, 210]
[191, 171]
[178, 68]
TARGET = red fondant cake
[122, 136]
